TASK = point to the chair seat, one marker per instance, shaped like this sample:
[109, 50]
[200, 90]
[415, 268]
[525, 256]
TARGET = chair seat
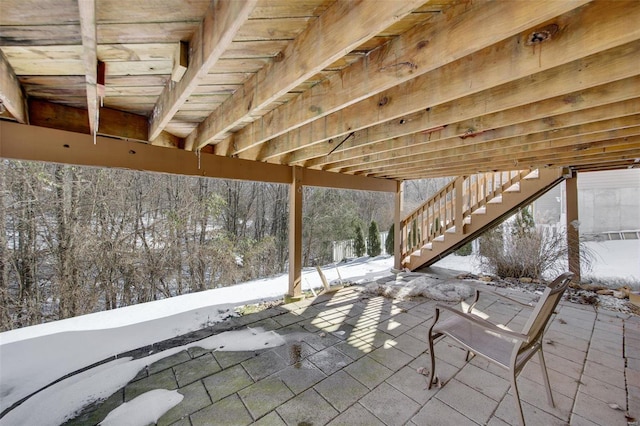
[479, 340]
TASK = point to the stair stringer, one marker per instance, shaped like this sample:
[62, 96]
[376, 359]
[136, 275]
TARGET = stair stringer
[495, 213]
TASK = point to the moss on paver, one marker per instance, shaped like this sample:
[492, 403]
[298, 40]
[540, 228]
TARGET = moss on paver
[195, 398]
[196, 369]
[228, 411]
[264, 396]
[163, 380]
[227, 382]
[264, 365]
[308, 408]
[168, 362]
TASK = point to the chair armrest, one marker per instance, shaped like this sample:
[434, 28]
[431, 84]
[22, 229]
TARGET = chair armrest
[482, 323]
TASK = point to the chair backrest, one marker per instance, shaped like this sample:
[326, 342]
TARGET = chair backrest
[545, 307]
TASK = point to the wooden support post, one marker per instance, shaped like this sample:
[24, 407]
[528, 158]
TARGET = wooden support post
[573, 232]
[397, 232]
[458, 206]
[295, 237]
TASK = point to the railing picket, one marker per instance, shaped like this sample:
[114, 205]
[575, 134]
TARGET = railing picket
[449, 206]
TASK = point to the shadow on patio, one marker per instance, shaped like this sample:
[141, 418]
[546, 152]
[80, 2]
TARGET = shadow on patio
[354, 358]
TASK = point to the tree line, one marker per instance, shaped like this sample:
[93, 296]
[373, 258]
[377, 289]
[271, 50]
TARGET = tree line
[75, 240]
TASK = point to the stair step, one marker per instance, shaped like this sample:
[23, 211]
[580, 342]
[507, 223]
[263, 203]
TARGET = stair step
[480, 210]
[519, 191]
[513, 188]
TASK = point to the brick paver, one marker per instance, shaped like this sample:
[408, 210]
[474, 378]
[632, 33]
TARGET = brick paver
[351, 358]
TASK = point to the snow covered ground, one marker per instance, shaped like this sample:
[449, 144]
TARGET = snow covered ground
[33, 357]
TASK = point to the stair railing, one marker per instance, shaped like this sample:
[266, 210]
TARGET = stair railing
[447, 209]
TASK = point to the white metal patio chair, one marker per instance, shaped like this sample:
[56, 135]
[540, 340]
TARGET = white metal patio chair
[508, 349]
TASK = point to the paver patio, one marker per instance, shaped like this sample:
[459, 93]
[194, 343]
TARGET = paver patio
[352, 358]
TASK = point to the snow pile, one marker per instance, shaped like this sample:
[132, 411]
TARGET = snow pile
[144, 409]
[61, 401]
[432, 288]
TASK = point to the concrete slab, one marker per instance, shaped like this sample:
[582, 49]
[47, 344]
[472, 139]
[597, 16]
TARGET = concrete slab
[227, 382]
[196, 369]
[341, 390]
[308, 408]
[228, 411]
[390, 405]
[264, 396]
[195, 398]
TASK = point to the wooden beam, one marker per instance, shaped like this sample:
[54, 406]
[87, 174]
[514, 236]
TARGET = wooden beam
[296, 195]
[375, 139]
[33, 143]
[397, 229]
[214, 35]
[615, 65]
[113, 122]
[591, 153]
[325, 40]
[517, 150]
[22, 142]
[596, 28]
[340, 181]
[420, 145]
[87, 9]
[416, 52]
[180, 61]
[11, 95]
[573, 227]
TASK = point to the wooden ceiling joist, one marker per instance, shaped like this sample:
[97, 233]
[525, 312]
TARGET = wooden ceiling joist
[343, 88]
[215, 33]
[405, 57]
[626, 150]
[505, 149]
[468, 76]
[424, 123]
[416, 144]
[87, 9]
[512, 158]
[11, 94]
[412, 54]
[324, 41]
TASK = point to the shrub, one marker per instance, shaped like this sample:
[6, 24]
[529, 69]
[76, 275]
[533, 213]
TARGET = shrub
[358, 244]
[373, 240]
[389, 242]
[465, 250]
[530, 254]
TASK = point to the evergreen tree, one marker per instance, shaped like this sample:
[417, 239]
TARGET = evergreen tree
[524, 223]
[358, 244]
[373, 240]
[388, 244]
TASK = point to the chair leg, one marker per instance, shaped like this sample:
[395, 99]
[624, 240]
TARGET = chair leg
[516, 397]
[545, 377]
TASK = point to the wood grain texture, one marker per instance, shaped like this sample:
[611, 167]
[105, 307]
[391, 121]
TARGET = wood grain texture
[323, 42]
[508, 60]
[414, 53]
[217, 30]
[10, 91]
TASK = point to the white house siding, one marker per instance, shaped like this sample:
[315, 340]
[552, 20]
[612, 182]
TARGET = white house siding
[608, 201]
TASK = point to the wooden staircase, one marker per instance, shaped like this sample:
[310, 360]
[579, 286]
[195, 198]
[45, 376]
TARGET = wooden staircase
[465, 208]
